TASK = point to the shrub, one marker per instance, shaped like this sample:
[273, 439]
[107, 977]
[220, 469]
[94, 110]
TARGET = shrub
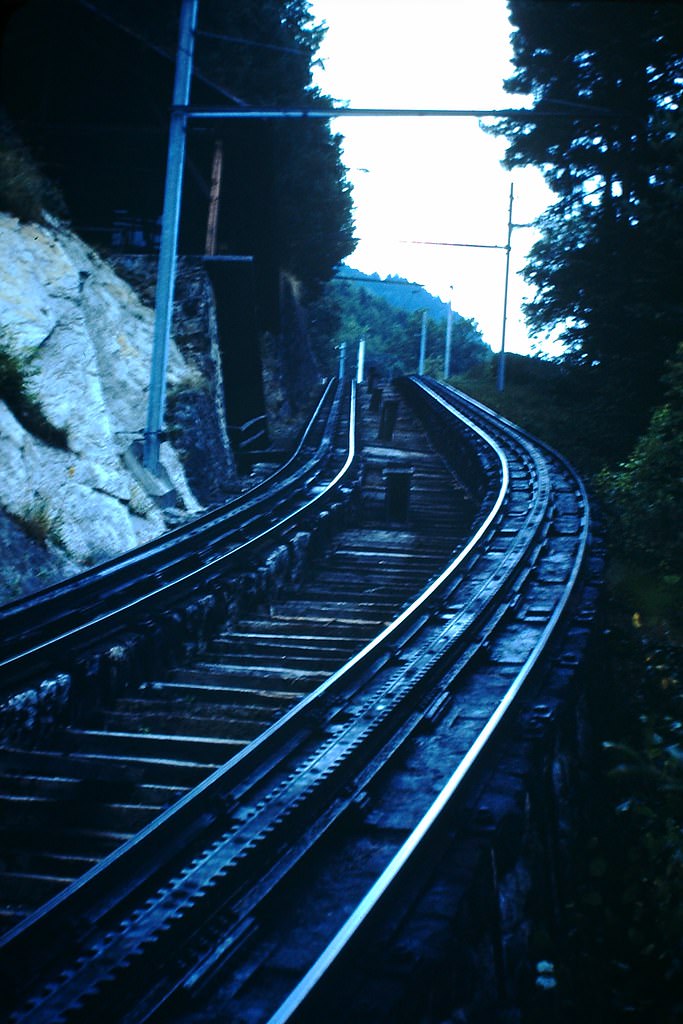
[645, 494]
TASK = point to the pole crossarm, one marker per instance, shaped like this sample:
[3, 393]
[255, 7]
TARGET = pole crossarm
[327, 113]
[457, 245]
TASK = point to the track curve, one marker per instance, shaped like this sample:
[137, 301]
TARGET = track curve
[305, 795]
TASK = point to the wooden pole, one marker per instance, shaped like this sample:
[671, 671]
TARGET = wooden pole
[214, 199]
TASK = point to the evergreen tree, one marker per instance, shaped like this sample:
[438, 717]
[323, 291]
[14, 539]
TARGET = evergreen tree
[262, 54]
[285, 195]
[606, 81]
[645, 494]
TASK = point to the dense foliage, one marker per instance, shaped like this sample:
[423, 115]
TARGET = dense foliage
[645, 494]
[626, 916]
[262, 54]
[606, 79]
[285, 197]
[348, 310]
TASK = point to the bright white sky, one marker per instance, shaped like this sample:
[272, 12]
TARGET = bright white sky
[432, 179]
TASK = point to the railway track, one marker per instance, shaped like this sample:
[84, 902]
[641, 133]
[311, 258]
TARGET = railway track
[51, 630]
[93, 784]
[273, 796]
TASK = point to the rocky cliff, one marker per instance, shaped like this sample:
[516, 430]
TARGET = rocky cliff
[75, 349]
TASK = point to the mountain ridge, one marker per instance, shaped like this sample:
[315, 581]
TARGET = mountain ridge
[398, 292]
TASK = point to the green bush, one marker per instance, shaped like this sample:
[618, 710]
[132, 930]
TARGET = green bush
[626, 912]
[644, 496]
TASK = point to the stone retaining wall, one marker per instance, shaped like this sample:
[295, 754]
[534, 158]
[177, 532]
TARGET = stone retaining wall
[487, 941]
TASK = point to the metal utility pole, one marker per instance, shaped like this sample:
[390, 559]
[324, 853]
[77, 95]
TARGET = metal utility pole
[423, 344]
[501, 361]
[361, 361]
[342, 360]
[169, 234]
[449, 332]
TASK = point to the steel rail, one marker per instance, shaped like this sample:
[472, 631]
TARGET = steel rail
[152, 836]
[258, 751]
[172, 536]
[207, 528]
[126, 859]
[263, 743]
[306, 996]
[443, 656]
[214, 565]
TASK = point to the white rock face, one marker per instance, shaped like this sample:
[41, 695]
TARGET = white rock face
[87, 341]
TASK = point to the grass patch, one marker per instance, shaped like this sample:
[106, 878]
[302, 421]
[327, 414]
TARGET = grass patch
[17, 393]
[575, 410]
[40, 523]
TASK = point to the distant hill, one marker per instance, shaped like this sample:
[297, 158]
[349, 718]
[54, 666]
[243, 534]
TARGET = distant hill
[387, 315]
[397, 291]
